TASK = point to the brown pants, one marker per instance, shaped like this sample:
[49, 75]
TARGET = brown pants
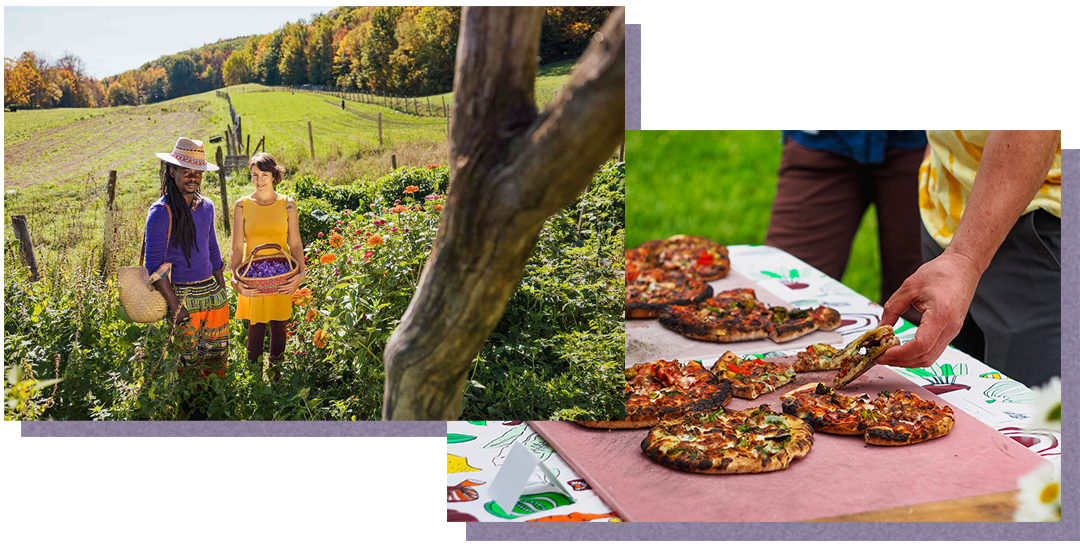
[821, 198]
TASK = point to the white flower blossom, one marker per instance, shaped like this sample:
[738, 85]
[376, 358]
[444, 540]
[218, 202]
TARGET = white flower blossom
[1047, 406]
[1040, 495]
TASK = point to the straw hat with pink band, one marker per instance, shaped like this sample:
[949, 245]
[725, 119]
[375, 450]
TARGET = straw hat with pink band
[188, 153]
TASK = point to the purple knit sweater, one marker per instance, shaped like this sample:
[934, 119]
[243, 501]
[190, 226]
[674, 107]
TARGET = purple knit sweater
[205, 255]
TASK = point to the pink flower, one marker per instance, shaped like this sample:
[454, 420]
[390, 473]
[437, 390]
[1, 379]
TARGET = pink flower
[368, 254]
[359, 231]
[357, 247]
[376, 222]
[321, 235]
[397, 202]
[393, 229]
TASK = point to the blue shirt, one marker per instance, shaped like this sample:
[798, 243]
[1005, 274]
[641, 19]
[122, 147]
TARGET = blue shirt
[205, 254]
[862, 146]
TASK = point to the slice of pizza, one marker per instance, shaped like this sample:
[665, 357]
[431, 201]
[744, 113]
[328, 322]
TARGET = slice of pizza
[862, 354]
[828, 411]
[816, 358]
[648, 292]
[666, 390]
[694, 254]
[788, 324]
[730, 442]
[905, 418]
[751, 378]
[732, 315]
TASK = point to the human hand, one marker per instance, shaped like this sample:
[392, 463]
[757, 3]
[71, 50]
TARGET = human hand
[941, 290]
[243, 289]
[291, 285]
[179, 313]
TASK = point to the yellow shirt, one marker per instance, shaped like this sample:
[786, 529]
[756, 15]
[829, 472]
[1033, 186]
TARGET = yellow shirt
[263, 225]
[946, 178]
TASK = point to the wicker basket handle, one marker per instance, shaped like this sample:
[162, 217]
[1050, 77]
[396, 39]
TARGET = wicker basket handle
[260, 247]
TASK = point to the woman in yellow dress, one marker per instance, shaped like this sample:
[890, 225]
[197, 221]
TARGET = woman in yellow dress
[266, 217]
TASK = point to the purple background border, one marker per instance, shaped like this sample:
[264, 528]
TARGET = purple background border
[233, 428]
[633, 77]
[892, 531]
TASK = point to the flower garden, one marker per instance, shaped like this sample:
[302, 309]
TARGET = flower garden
[557, 352]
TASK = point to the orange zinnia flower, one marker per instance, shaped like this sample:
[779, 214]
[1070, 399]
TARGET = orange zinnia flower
[375, 240]
[398, 209]
[302, 296]
[411, 189]
[328, 258]
[336, 240]
[438, 207]
[311, 314]
[321, 339]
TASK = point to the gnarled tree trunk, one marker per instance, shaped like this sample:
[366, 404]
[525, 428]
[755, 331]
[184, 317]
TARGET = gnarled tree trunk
[511, 169]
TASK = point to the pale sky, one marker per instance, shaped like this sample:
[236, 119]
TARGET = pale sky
[111, 40]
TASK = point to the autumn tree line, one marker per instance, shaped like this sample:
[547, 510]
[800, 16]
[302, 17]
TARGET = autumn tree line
[399, 50]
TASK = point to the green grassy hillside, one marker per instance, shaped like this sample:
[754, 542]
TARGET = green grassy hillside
[57, 161]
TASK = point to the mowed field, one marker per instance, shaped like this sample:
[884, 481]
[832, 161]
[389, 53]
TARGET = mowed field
[57, 161]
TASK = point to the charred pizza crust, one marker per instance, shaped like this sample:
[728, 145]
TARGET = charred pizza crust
[828, 411]
[788, 324]
[730, 442]
[737, 315]
[666, 390]
[751, 378]
[906, 419]
[862, 353]
[648, 292]
[733, 315]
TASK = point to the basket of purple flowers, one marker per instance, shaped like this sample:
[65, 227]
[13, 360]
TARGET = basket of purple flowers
[268, 272]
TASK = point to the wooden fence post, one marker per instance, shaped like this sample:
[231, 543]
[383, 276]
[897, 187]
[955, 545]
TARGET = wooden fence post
[446, 111]
[239, 134]
[228, 141]
[393, 161]
[428, 105]
[248, 150]
[225, 209]
[380, 130]
[106, 243]
[26, 246]
[311, 140]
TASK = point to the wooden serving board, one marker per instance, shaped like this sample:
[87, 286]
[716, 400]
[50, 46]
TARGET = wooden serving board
[841, 475]
[647, 340]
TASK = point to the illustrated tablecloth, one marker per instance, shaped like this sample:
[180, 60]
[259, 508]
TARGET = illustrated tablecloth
[476, 449]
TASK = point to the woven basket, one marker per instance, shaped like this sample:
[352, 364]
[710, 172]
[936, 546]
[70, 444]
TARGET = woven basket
[140, 299]
[269, 285]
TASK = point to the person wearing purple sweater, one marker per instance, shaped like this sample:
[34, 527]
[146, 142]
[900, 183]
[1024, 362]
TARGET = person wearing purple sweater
[180, 231]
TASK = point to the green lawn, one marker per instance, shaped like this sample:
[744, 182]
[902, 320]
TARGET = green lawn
[720, 185]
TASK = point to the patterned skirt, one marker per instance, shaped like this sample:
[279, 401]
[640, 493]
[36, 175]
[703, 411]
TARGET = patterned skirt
[204, 339]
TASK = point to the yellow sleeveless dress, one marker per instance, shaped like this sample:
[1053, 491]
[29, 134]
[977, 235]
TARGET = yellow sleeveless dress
[262, 225]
